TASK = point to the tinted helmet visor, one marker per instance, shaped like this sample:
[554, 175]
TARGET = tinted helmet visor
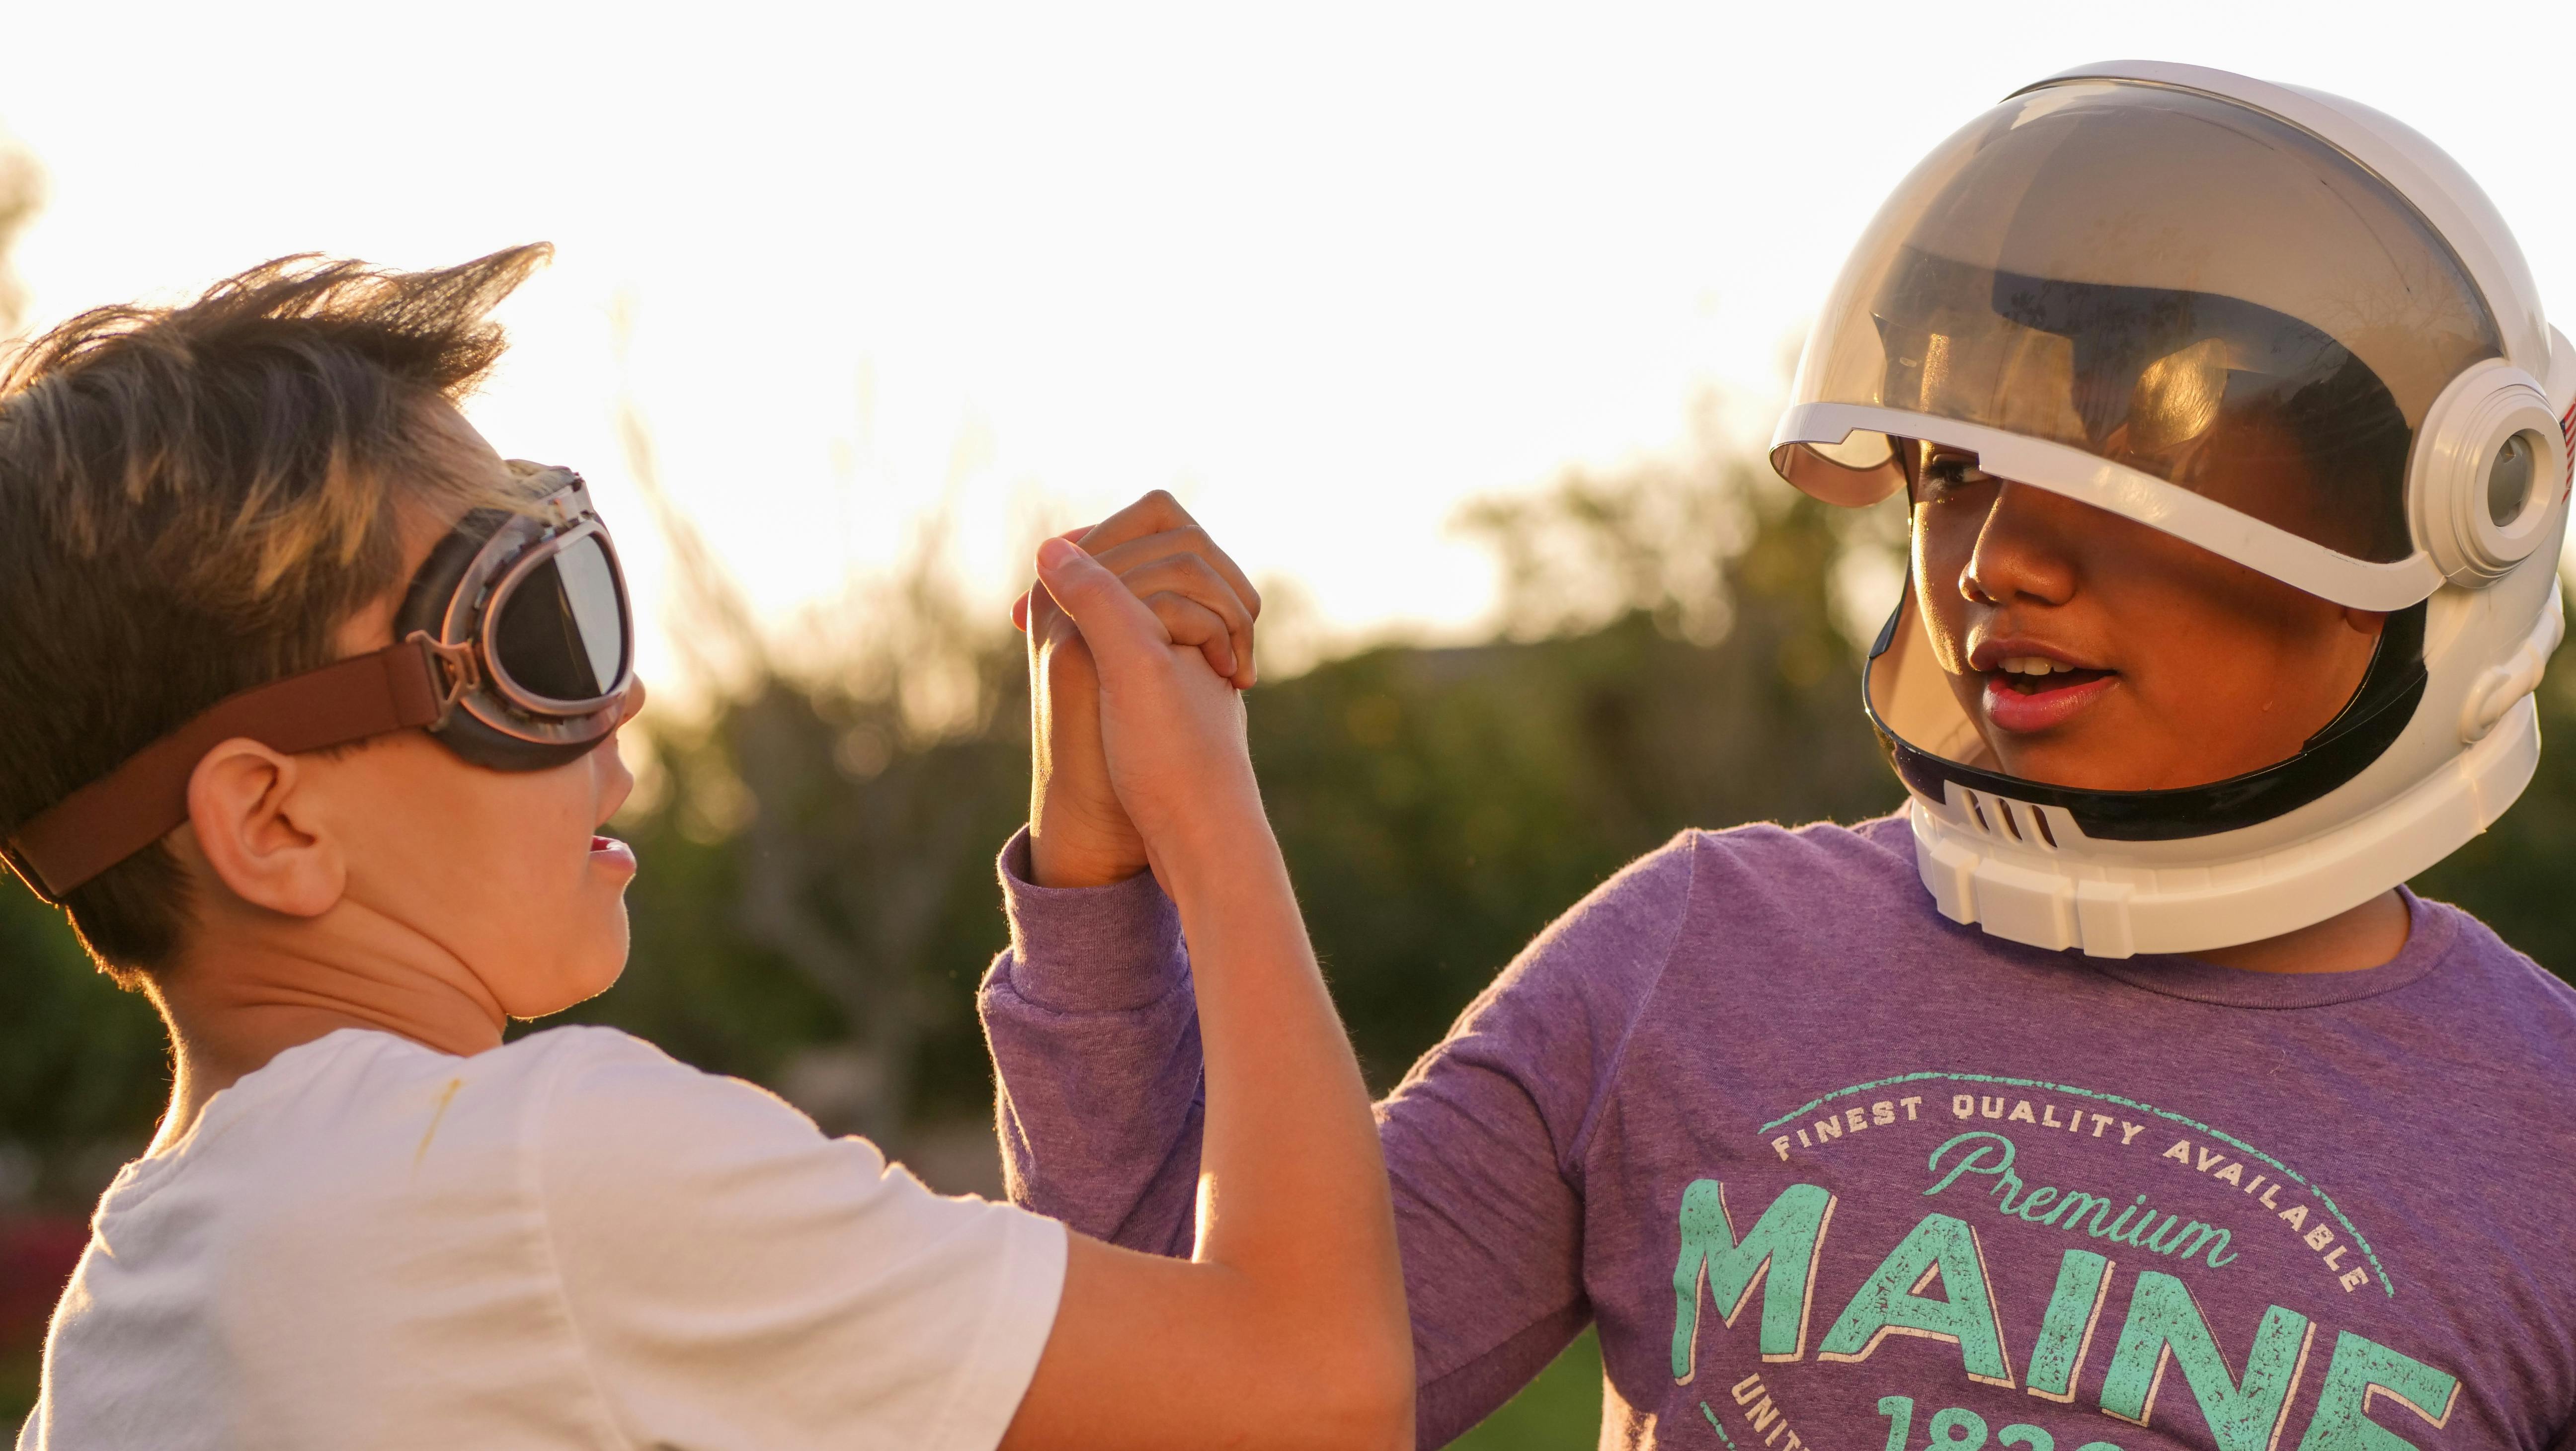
[2234, 401]
[2119, 291]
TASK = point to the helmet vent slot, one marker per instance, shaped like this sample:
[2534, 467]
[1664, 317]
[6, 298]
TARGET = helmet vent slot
[1978, 812]
[2001, 818]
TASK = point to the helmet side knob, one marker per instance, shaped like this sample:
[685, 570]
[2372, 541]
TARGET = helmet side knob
[2486, 473]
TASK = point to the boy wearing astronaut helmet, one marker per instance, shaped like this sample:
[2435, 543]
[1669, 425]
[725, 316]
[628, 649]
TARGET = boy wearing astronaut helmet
[2234, 445]
[2319, 418]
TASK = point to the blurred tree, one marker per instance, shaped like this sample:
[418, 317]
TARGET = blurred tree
[819, 890]
[1439, 806]
[1652, 537]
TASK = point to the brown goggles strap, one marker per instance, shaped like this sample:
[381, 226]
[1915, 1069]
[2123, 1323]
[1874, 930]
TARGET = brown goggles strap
[146, 798]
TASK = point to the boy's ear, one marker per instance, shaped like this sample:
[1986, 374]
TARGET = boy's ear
[250, 814]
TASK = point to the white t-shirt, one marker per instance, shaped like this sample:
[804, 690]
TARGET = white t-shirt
[570, 1241]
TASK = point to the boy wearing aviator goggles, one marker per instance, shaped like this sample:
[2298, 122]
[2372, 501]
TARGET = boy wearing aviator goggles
[316, 746]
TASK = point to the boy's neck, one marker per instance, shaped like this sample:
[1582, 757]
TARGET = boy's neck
[230, 1008]
[2365, 937]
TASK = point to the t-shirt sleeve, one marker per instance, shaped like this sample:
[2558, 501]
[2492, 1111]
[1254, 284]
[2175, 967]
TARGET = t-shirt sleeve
[1093, 1026]
[734, 1277]
[1483, 1141]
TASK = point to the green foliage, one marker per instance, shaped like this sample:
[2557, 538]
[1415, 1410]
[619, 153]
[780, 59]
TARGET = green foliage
[2516, 877]
[1559, 1409]
[83, 1066]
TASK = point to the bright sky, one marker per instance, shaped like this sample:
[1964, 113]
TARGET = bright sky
[1323, 270]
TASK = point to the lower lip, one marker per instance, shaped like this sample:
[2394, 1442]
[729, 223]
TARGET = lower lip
[610, 852]
[2011, 710]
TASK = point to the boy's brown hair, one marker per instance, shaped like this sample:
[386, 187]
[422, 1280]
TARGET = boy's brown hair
[192, 500]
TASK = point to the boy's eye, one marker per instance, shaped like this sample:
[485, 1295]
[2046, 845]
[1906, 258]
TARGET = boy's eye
[1945, 473]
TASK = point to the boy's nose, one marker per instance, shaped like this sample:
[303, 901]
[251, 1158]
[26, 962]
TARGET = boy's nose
[632, 702]
[2023, 549]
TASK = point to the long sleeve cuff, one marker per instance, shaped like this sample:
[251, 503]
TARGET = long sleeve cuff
[1110, 949]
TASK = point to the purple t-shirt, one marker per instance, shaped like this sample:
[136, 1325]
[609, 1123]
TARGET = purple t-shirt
[1831, 1171]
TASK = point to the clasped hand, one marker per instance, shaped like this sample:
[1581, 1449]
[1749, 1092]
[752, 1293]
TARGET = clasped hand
[1128, 748]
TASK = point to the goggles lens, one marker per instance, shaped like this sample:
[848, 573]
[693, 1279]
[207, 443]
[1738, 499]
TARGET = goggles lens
[560, 635]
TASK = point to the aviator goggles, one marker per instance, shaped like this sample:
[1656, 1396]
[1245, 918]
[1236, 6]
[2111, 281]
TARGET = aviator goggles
[514, 648]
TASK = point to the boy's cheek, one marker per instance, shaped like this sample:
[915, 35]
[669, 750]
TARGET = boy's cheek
[500, 860]
[1928, 563]
[496, 864]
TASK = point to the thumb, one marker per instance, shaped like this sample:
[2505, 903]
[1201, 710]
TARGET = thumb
[1115, 623]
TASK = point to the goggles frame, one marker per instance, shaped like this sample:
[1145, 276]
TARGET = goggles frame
[459, 597]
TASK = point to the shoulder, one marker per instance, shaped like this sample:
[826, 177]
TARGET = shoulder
[1648, 899]
[1603, 958]
[1641, 911]
[2525, 1017]
[610, 1106]
[578, 1057]
[725, 1263]
[1637, 906]
[637, 1157]
[1815, 860]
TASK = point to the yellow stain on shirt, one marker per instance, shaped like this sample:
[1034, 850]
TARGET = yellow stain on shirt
[446, 1096]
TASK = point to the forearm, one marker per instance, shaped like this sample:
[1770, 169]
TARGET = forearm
[1288, 1330]
[1282, 1160]
[1292, 1193]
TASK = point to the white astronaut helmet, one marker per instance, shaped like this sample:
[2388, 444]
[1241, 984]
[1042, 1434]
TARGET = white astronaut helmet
[2085, 287]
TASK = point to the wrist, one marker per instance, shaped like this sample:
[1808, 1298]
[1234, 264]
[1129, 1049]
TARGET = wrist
[1057, 867]
[1114, 948]
[1215, 848]
[1068, 850]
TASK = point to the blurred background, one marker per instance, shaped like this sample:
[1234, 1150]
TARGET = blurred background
[1460, 326]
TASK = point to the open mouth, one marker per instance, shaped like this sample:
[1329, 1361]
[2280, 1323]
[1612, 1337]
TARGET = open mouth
[2035, 675]
[2027, 693]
